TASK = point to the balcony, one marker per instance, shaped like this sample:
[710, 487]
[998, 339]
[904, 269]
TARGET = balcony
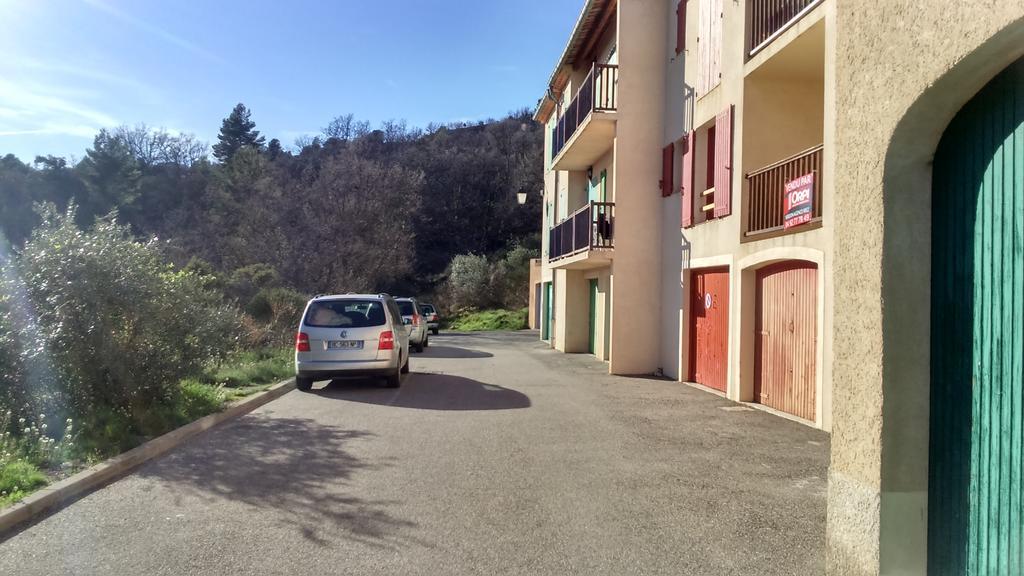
[585, 129]
[585, 239]
[770, 18]
[766, 193]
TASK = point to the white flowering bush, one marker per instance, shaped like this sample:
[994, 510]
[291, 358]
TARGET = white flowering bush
[34, 442]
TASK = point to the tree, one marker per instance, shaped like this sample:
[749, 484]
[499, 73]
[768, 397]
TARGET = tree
[274, 149]
[237, 131]
[111, 175]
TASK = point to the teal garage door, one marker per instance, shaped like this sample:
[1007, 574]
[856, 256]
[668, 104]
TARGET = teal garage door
[975, 507]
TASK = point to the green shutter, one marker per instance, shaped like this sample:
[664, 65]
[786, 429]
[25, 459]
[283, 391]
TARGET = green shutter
[592, 344]
[976, 495]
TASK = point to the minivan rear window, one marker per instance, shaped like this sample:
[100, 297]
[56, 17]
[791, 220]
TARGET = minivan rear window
[427, 308]
[406, 307]
[345, 314]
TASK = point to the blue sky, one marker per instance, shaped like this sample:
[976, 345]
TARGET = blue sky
[70, 67]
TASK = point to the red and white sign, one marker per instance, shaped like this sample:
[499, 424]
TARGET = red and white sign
[799, 202]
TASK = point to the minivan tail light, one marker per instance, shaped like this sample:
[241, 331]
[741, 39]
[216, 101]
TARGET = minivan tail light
[387, 340]
[302, 342]
[415, 319]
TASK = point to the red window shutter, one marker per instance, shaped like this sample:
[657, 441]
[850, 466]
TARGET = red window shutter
[681, 26]
[686, 187]
[723, 162]
[666, 170]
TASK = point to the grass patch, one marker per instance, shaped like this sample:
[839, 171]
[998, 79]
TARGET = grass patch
[490, 320]
[105, 432]
[17, 480]
[253, 367]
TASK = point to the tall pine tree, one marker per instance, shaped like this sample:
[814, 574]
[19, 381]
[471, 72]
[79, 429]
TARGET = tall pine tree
[236, 131]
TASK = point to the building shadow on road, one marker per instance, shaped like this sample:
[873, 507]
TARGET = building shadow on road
[295, 468]
[434, 351]
[428, 392]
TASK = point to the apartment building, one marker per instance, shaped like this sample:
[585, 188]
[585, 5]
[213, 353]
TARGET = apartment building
[674, 129]
[816, 207]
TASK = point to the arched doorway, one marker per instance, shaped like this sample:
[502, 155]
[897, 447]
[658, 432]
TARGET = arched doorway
[976, 454]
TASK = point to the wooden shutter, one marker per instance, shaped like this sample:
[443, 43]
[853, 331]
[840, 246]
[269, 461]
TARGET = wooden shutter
[681, 26]
[723, 162]
[666, 170]
[686, 186]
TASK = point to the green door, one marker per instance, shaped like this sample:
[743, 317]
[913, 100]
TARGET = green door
[976, 496]
[545, 325]
[592, 345]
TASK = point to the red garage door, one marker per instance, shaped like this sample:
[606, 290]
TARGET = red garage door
[709, 327]
[786, 343]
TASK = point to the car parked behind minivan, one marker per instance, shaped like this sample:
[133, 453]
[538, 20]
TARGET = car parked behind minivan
[351, 335]
[417, 325]
[433, 320]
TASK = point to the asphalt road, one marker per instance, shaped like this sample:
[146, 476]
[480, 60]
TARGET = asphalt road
[497, 456]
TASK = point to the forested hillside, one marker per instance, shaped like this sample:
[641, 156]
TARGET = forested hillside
[353, 209]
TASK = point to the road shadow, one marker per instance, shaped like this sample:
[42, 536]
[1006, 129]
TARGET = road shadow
[435, 351]
[295, 467]
[428, 392]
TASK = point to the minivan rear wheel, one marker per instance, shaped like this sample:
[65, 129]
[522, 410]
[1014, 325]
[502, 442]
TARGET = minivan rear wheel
[304, 384]
[394, 380]
[405, 367]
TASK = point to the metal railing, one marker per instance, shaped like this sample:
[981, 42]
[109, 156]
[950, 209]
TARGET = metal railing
[766, 190]
[590, 227]
[596, 93]
[769, 18]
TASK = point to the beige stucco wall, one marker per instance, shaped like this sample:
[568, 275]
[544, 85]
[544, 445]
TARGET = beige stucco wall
[601, 319]
[775, 115]
[900, 76]
[572, 326]
[639, 131]
[781, 118]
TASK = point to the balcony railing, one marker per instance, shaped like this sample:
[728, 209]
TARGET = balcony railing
[590, 227]
[769, 18]
[597, 93]
[766, 189]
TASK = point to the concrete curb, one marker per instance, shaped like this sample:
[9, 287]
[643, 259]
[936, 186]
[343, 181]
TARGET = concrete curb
[107, 471]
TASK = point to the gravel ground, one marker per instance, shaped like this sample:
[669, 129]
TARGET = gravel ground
[497, 456]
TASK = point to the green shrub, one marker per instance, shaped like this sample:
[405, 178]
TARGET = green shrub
[276, 313]
[198, 400]
[17, 479]
[253, 367]
[106, 329]
[490, 320]
[469, 282]
[512, 277]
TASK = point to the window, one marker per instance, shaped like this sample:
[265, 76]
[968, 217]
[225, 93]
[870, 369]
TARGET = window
[406, 307]
[345, 314]
[681, 26]
[667, 169]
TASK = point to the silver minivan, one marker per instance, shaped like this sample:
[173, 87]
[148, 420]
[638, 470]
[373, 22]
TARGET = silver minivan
[351, 335]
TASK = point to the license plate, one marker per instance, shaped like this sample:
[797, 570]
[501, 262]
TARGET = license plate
[344, 344]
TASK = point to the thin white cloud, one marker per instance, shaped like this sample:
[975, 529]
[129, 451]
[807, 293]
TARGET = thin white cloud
[174, 39]
[80, 70]
[28, 108]
[77, 130]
